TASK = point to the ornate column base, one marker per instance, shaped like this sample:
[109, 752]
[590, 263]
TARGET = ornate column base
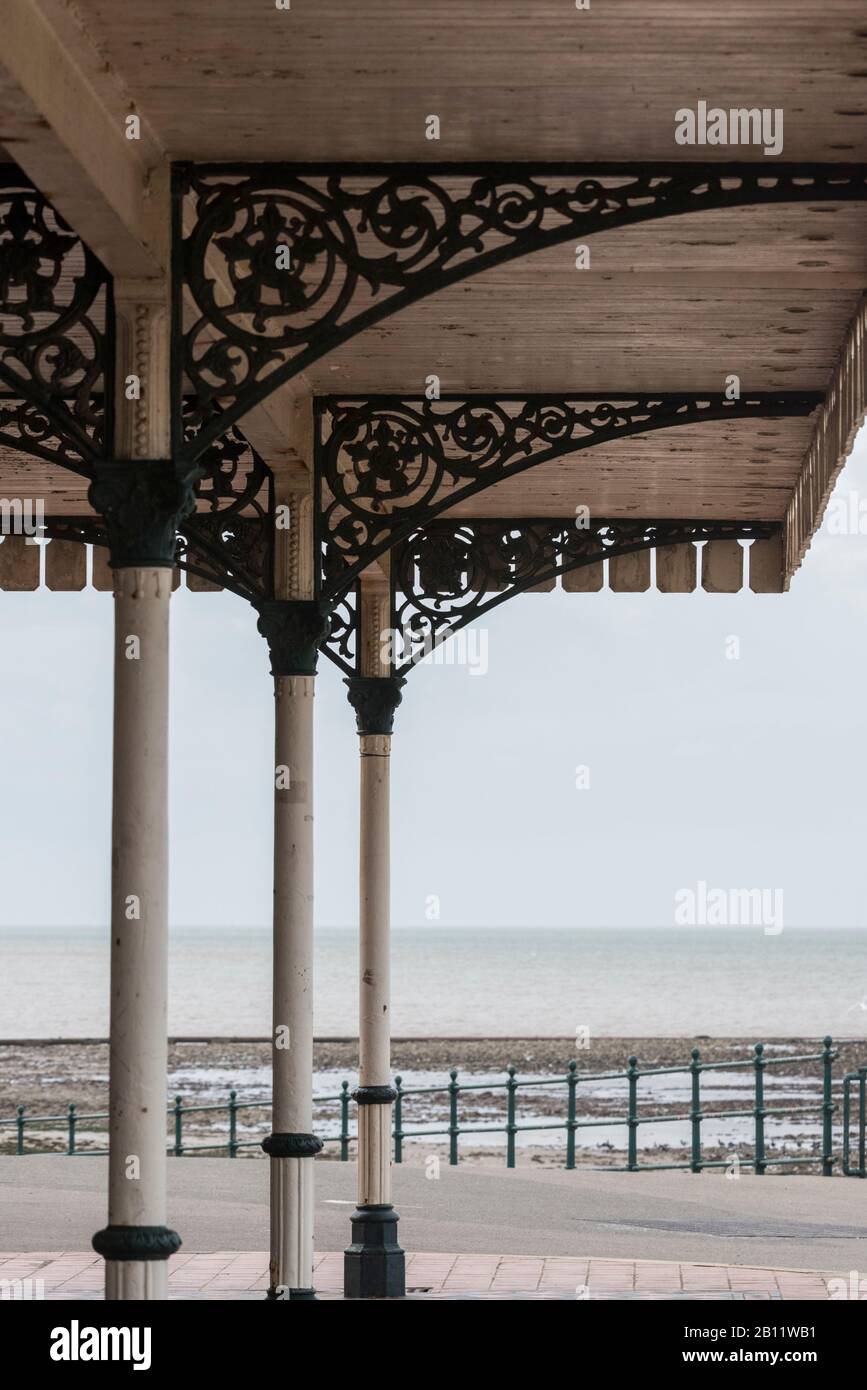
[136, 1260]
[291, 1267]
[374, 1265]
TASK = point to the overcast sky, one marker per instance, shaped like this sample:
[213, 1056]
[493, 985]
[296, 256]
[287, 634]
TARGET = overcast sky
[739, 773]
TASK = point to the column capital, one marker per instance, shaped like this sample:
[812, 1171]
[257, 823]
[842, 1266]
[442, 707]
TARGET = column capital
[143, 501]
[375, 699]
[293, 629]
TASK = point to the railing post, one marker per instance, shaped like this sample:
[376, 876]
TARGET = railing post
[398, 1120]
[572, 1084]
[632, 1118]
[695, 1114]
[828, 1109]
[179, 1148]
[344, 1122]
[454, 1089]
[759, 1163]
[70, 1147]
[233, 1124]
[862, 1122]
[19, 1147]
[511, 1127]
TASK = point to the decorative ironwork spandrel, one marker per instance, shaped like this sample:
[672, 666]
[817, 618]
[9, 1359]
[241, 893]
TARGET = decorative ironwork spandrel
[231, 541]
[341, 644]
[385, 466]
[284, 263]
[447, 574]
[56, 353]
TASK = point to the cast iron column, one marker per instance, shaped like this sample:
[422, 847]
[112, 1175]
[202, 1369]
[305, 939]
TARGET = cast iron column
[374, 1264]
[293, 629]
[142, 502]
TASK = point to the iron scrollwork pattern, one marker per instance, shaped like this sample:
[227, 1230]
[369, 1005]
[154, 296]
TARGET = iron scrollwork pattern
[231, 543]
[450, 573]
[56, 334]
[56, 393]
[385, 466]
[341, 643]
[286, 262]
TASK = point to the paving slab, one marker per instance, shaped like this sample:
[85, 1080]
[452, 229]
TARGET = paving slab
[244, 1275]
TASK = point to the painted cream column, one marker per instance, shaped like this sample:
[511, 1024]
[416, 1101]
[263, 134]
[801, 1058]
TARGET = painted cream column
[293, 626]
[374, 1263]
[142, 498]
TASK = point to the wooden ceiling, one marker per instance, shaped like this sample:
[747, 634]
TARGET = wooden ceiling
[736, 470]
[510, 79]
[765, 293]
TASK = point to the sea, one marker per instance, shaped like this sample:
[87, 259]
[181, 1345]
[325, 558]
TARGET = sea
[532, 981]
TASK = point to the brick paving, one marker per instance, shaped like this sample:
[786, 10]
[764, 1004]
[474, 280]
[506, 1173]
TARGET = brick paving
[244, 1274]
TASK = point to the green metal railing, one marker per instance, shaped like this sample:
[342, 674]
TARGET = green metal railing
[696, 1116]
[858, 1078]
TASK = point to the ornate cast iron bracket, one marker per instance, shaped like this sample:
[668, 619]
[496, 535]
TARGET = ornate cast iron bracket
[57, 354]
[448, 574]
[385, 466]
[56, 334]
[195, 552]
[232, 542]
[286, 262]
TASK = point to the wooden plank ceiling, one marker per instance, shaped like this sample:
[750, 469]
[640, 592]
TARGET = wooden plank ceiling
[766, 293]
[510, 79]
